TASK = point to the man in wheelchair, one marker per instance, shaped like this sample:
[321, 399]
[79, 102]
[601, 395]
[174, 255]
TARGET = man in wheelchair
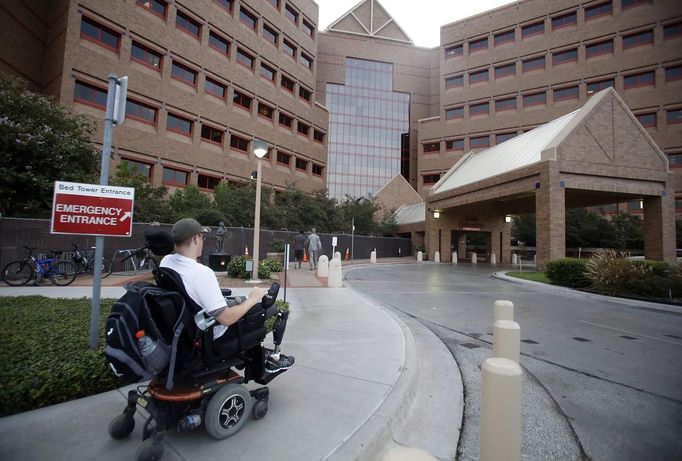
[202, 286]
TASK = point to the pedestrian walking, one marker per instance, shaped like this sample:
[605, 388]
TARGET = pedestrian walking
[314, 247]
[299, 247]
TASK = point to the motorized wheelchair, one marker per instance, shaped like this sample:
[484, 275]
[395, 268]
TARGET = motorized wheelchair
[204, 382]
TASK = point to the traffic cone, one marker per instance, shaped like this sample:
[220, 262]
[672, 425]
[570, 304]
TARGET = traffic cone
[246, 250]
[305, 256]
[346, 257]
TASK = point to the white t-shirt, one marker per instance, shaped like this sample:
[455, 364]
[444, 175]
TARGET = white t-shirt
[200, 283]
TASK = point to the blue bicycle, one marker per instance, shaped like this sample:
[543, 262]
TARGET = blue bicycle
[19, 273]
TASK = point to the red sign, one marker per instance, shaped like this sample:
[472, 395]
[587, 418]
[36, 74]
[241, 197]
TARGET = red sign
[92, 209]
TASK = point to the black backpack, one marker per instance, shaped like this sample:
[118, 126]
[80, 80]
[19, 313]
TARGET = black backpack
[133, 312]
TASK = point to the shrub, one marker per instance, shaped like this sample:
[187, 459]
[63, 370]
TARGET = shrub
[237, 268]
[611, 273]
[281, 306]
[277, 245]
[272, 265]
[568, 272]
[658, 268]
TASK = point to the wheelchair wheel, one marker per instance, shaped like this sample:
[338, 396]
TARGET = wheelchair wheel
[121, 426]
[260, 409]
[149, 451]
[227, 411]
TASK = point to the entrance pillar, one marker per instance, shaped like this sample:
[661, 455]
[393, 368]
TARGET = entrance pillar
[550, 216]
[659, 228]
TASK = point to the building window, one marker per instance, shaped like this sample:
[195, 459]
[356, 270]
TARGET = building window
[270, 34]
[291, 14]
[563, 94]
[90, 95]
[317, 169]
[641, 79]
[454, 144]
[502, 137]
[248, 18]
[141, 112]
[286, 120]
[141, 168]
[287, 84]
[210, 134]
[304, 93]
[306, 60]
[239, 143]
[676, 160]
[479, 109]
[626, 4]
[531, 30]
[225, 4]
[505, 71]
[478, 45]
[565, 20]
[207, 182]
[274, 3]
[479, 142]
[215, 88]
[308, 28]
[289, 48]
[674, 116]
[283, 158]
[188, 25]
[596, 11]
[431, 147]
[672, 31]
[596, 49]
[505, 37]
[454, 113]
[173, 177]
[242, 100]
[639, 39]
[245, 59]
[102, 35]
[534, 99]
[184, 74]
[595, 87]
[179, 124]
[318, 136]
[303, 129]
[301, 164]
[563, 57]
[505, 104]
[673, 73]
[266, 111]
[267, 72]
[146, 56]
[431, 178]
[647, 120]
[532, 64]
[453, 51]
[158, 7]
[454, 82]
[218, 43]
[478, 77]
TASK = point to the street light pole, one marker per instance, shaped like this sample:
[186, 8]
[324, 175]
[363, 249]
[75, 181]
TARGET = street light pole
[260, 148]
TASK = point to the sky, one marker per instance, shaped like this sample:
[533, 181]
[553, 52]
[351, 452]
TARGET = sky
[422, 25]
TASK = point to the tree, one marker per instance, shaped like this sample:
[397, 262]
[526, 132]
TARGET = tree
[191, 203]
[361, 210]
[151, 204]
[236, 203]
[628, 233]
[40, 143]
[523, 229]
[585, 229]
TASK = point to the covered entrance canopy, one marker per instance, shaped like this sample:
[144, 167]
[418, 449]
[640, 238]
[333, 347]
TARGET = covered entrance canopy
[597, 155]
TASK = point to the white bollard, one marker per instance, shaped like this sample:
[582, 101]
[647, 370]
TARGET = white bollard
[493, 258]
[420, 257]
[454, 257]
[373, 257]
[337, 255]
[407, 454]
[436, 257]
[503, 310]
[474, 258]
[535, 261]
[507, 340]
[323, 266]
[500, 425]
[335, 279]
[515, 260]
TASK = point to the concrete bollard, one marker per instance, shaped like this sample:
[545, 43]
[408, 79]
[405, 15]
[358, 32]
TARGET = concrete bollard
[535, 261]
[407, 454]
[436, 257]
[335, 279]
[454, 257]
[493, 258]
[323, 266]
[337, 255]
[507, 340]
[500, 425]
[373, 257]
[474, 258]
[420, 257]
[515, 260]
[503, 310]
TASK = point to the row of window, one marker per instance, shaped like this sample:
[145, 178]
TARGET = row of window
[194, 27]
[537, 28]
[565, 93]
[290, 12]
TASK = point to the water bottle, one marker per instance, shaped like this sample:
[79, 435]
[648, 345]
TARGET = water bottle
[189, 422]
[155, 358]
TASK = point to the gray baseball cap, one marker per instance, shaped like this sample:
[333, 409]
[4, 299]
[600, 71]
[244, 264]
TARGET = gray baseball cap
[186, 228]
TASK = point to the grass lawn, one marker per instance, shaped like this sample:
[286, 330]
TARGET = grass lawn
[534, 276]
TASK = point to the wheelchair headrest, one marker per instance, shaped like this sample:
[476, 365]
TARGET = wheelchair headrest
[159, 242]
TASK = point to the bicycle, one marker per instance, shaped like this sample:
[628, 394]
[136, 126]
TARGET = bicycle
[84, 262]
[19, 273]
[139, 258]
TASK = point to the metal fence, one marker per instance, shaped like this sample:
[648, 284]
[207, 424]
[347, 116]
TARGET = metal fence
[16, 233]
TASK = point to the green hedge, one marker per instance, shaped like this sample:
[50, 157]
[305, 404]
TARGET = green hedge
[237, 268]
[569, 272]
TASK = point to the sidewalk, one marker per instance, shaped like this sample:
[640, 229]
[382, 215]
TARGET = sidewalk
[362, 380]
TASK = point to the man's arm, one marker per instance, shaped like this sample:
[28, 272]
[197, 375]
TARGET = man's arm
[228, 316]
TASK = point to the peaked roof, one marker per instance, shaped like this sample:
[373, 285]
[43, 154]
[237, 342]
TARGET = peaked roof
[411, 214]
[370, 19]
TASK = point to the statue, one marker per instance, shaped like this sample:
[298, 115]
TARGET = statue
[220, 236]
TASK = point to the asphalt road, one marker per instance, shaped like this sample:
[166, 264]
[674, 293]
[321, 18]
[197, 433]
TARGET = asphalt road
[613, 370]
